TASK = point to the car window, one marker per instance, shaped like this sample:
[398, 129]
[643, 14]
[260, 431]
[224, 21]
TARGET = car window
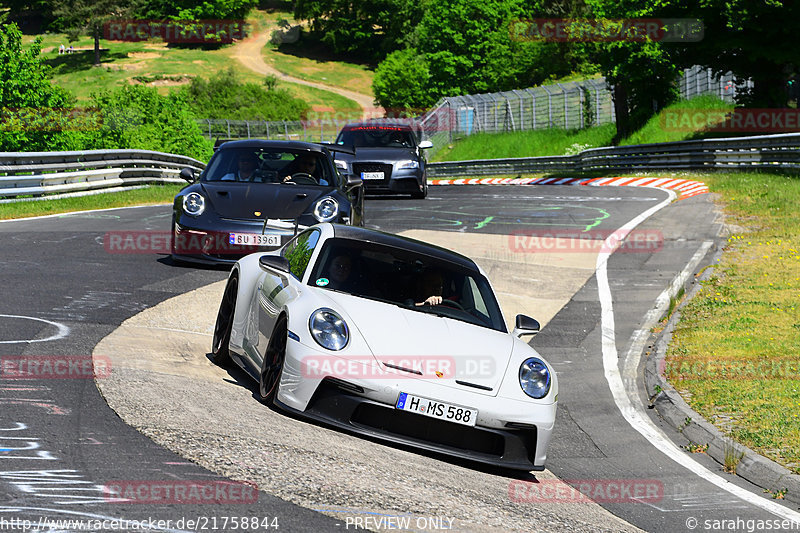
[299, 251]
[377, 137]
[406, 278]
[270, 165]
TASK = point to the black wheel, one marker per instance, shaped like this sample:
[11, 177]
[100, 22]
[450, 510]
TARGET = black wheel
[423, 193]
[272, 366]
[220, 354]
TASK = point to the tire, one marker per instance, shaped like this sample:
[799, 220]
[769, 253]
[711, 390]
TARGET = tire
[272, 365]
[422, 194]
[220, 354]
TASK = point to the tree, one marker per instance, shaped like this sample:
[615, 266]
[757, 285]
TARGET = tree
[751, 38]
[87, 17]
[33, 110]
[368, 28]
[402, 81]
[642, 73]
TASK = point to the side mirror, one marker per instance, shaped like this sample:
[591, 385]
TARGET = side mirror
[274, 262]
[526, 326]
[352, 181]
[425, 144]
[187, 174]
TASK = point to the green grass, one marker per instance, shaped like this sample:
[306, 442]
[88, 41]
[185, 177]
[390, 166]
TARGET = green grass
[153, 194]
[734, 353]
[122, 61]
[678, 121]
[525, 143]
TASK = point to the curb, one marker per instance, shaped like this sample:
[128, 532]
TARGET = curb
[685, 188]
[672, 408]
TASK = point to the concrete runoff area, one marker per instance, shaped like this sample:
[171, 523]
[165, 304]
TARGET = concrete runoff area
[163, 384]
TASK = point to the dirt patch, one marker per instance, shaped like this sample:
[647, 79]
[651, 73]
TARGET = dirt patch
[144, 55]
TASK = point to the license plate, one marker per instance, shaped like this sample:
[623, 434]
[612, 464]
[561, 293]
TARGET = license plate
[437, 409]
[255, 239]
[372, 175]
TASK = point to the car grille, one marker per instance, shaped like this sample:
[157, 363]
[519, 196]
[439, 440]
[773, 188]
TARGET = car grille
[358, 168]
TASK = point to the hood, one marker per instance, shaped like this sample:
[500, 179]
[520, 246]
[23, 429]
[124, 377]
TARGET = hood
[241, 200]
[403, 337]
[387, 155]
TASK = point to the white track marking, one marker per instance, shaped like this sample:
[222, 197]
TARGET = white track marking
[630, 406]
[63, 330]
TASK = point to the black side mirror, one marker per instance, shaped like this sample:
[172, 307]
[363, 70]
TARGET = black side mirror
[187, 174]
[353, 181]
[274, 262]
[526, 326]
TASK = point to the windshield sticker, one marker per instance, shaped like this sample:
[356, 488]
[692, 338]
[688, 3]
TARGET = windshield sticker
[321, 282]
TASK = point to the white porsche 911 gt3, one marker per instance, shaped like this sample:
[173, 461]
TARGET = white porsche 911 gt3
[392, 338]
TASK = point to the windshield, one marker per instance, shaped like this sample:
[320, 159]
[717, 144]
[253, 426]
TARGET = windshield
[270, 165]
[407, 279]
[377, 137]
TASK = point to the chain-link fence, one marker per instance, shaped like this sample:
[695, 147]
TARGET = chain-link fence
[697, 81]
[573, 105]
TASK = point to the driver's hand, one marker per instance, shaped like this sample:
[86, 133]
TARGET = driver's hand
[432, 300]
[287, 178]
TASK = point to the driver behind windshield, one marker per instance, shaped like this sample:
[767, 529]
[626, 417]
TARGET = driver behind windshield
[304, 165]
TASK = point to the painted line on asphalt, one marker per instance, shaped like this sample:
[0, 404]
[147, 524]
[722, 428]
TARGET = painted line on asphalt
[629, 405]
[70, 213]
[63, 330]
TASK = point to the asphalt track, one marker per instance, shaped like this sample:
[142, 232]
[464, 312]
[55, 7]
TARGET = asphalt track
[56, 269]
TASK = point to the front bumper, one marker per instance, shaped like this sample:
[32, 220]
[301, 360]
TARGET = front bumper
[515, 447]
[213, 246]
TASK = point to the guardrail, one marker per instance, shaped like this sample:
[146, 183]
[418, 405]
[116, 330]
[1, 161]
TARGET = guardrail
[757, 153]
[40, 173]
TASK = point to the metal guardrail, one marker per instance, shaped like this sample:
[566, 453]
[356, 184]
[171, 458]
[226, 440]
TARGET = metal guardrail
[40, 173]
[757, 153]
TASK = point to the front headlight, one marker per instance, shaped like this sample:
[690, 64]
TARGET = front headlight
[407, 164]
[328, 329]
[194, 204]
[340, 164]
[326, 209]
[534, 378]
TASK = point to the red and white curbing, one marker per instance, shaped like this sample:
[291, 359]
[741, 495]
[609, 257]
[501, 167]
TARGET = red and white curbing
[685, 188]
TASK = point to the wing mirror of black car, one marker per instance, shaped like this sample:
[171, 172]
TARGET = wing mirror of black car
[526, 326]
[187, 174]
[425, 144]
[352, 181]
[274, 262]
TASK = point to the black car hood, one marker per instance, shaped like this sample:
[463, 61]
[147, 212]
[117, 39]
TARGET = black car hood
[242, 200]
[381, 154]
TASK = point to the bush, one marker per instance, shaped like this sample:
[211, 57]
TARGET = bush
[225, 97]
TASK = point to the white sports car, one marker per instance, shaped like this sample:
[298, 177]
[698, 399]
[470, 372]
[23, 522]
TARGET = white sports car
[391, 338]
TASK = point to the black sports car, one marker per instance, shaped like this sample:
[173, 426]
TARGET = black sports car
[389, 157]
[255, 195]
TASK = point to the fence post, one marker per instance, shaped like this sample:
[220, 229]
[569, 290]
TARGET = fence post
[209, 128]
[248, 128]
[449, 121]
[549, 106]
[286, 130]
[266, 125]
[581, 98]
[228, 122]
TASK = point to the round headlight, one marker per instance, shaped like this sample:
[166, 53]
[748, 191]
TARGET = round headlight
[329, 329]
[326, 209]
[194, 204]
[534, 378]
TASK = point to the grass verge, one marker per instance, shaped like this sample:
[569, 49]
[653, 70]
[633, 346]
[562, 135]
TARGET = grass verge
[734, 353]
[153, 194]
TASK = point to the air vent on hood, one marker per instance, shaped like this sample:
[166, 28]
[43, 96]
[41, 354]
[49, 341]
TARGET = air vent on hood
[474, 385]
[409, 370]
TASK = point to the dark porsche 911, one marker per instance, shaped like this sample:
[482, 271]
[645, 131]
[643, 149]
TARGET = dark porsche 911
[388, 157]
[256, 195]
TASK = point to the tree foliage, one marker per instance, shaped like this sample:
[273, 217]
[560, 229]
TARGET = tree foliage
[224, 96]
[187, 10]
